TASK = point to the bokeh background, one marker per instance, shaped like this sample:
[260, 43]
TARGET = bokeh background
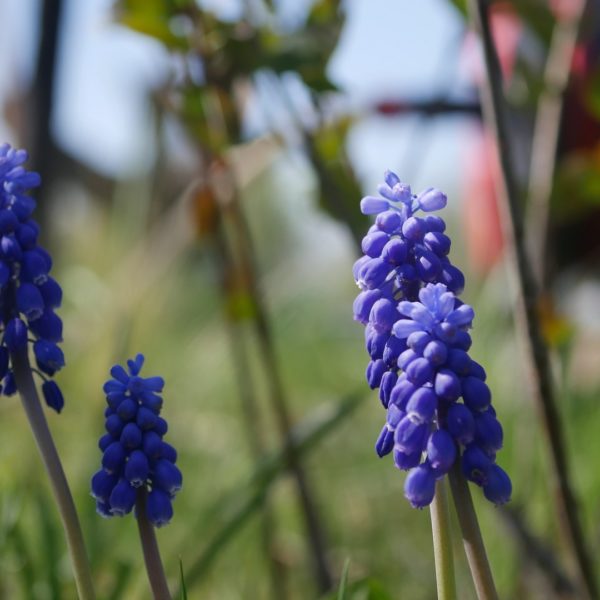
[202, 167]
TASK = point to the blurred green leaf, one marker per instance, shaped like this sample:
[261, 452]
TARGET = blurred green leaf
[537, 16]
[592, 94]
[307, 50]
[577, 188]
[151, 17]
[339, 189]
[209, 116]
[461, 6]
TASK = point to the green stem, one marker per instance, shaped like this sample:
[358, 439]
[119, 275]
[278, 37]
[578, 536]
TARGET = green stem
[277, 395]
[56, 474]
[249, 401]
[154, 566]
[442, 543]
[472, 540]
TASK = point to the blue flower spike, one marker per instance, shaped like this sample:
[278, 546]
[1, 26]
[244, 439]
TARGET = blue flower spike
[134, 455]
[28, 294]
[417, 336]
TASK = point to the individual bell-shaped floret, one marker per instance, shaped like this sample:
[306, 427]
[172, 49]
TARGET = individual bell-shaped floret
[159, 508]
[419, 487]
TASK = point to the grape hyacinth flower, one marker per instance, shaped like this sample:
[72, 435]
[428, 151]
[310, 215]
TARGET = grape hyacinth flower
[416, 331]
[28, 299]
[28, 294]
[135, 457]
[402, 252]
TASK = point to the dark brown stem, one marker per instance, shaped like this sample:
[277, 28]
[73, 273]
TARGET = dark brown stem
[154, 566]
[41, 103]
[537, 352]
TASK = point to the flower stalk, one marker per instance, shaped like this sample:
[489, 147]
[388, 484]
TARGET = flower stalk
[442, 543]
[471, 535]
[54, 469]
[152, 560]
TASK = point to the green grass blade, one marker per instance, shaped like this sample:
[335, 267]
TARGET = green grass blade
[182, 581]
[342, 591]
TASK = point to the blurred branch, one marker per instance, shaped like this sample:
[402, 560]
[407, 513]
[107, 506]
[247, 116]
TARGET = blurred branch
[208, 223]
[527, 315]
[429, 108]
[226, 190]
[535, 551]
[546, 131]
[41, 101]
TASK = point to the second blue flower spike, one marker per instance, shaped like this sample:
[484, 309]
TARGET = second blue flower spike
[135, 456]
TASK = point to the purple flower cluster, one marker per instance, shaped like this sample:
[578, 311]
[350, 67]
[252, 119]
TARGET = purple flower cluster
[135, 457]
[417, 336]
[28, 295]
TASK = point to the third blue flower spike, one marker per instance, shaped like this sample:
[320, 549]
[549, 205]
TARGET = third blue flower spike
[416, 334]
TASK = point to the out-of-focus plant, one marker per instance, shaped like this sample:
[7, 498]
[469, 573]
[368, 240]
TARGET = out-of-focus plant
[221, 65]
[138, 466]
[28, 299]
[416, 324]
[528, 297]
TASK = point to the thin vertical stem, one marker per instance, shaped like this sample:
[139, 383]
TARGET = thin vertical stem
[154, 566]
[472, 540]
[537, 352]
[442, 543]
[250, 407]
[546, 131]
[56, 474]
[278, 399]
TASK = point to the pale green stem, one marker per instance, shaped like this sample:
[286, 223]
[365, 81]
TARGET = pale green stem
[154, 566]
[472, 540]
[442, 543]
[56, 474]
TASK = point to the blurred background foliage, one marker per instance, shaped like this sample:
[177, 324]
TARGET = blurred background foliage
[202, 166]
